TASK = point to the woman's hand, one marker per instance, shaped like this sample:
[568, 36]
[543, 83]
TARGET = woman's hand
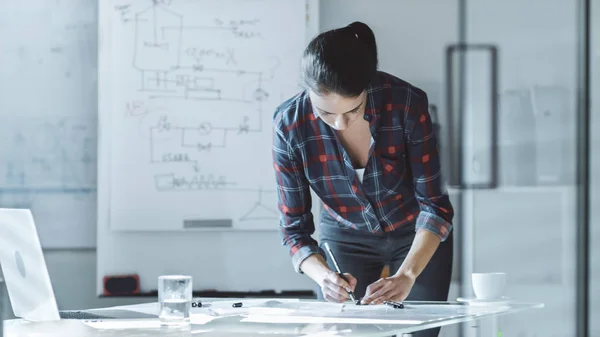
[394, 288]
[335, 289]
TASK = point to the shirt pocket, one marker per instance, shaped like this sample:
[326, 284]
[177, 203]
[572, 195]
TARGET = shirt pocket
[393, 170]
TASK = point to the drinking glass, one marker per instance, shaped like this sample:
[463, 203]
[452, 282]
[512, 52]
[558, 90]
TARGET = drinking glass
[175, 299]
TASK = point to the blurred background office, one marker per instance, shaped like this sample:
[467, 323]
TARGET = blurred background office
[511, 100]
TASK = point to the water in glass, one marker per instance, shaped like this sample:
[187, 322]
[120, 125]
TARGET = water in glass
[175, 299]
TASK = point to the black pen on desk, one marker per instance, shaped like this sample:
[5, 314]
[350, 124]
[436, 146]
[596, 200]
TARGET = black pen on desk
[395, 305]
[337, 267]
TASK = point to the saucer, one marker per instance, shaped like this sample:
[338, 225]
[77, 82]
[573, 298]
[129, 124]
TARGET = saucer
[482, 302]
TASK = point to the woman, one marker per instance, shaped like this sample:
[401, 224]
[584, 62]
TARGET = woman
[363, 140]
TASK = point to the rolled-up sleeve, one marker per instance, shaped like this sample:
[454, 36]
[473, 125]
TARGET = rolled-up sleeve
[436, 213]
[294, 202]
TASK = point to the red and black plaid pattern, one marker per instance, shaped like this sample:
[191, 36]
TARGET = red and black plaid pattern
[402, 181]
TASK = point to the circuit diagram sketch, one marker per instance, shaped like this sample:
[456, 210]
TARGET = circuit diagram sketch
[159, 50]
[49, 142]
[52, 154]
[168, 69]
[202, 90]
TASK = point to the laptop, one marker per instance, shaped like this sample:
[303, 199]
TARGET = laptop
[26, 275]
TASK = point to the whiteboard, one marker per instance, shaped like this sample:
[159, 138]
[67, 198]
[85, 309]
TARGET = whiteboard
[192, 90]
[48, 115]
[226, 260]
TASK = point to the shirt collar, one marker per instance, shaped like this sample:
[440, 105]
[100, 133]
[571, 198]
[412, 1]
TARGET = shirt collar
[374, 100]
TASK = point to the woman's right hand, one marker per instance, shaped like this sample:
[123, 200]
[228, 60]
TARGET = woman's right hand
[335, 289]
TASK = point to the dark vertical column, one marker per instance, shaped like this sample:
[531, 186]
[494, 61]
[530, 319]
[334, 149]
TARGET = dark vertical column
[583, 168]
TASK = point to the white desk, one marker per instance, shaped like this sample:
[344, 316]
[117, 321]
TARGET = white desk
[301, 320]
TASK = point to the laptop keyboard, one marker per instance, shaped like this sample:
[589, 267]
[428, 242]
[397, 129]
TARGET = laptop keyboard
[80, 315]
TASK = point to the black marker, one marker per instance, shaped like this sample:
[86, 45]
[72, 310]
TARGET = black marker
[395, 305]
[339, 271]
[237, 305]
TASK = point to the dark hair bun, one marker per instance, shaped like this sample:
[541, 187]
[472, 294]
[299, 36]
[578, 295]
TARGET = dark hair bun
[365, 35]
[341, 61]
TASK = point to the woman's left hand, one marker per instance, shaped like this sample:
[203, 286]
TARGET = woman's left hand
[394, 288]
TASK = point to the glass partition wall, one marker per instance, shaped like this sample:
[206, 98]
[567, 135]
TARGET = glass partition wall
[502, 78]
[513, 126]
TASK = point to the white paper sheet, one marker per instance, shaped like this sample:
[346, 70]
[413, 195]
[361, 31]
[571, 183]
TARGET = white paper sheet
[117, 324]
[220, 307]
[145, 308]
[324, 312]
[319, 312]
[276, 306]
[253, 303]
[316, 320]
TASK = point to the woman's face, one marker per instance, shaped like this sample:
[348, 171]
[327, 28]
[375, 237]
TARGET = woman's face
[337, 111]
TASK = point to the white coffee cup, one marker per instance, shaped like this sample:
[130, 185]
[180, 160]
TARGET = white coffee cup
[488, 285]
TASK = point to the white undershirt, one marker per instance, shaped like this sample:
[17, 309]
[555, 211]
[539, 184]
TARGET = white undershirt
[360, 173]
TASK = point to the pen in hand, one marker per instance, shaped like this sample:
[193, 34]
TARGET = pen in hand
[339, 271]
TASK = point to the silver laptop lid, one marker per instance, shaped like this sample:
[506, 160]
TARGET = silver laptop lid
[24, 267]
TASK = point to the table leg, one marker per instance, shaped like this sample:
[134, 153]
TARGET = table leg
[495, 330]
[488, 327]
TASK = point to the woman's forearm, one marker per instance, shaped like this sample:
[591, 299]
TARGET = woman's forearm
[423, 247]
[315, 267]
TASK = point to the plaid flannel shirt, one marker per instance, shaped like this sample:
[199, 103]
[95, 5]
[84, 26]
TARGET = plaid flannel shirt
[402, 183]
